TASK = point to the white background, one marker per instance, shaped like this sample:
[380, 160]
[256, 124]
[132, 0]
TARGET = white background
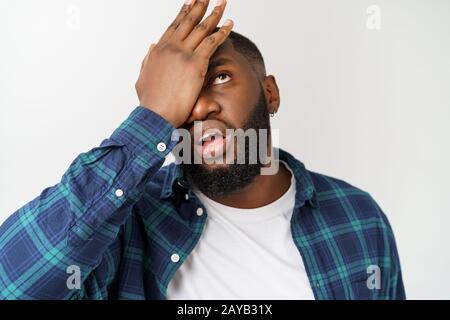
[367, 106]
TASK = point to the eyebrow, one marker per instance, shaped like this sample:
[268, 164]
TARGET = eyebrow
[218, 62]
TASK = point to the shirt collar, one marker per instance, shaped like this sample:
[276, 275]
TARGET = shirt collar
[306, 192]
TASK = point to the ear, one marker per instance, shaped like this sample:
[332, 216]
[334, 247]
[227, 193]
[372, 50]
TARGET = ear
[272, 93]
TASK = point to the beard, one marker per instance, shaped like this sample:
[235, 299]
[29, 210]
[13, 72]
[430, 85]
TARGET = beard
[231, 178]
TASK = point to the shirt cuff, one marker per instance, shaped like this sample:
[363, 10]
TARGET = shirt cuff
[145, 132]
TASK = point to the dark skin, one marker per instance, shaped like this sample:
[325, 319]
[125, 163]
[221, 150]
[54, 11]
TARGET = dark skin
[191, 75]
[232, 88]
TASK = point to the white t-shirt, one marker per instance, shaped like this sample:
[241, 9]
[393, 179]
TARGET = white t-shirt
[244, 254]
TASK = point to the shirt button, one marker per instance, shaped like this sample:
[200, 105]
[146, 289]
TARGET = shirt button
[199, 212]
[175, 258]
[186, 196]
[161, 147]
[119, 193]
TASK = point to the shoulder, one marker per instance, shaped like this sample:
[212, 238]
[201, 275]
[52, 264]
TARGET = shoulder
[342, 202]
[349, 223]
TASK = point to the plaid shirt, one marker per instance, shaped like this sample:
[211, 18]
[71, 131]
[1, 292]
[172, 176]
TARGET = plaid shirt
[128, 223]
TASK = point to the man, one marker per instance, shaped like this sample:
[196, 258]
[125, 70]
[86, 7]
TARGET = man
[119, 225]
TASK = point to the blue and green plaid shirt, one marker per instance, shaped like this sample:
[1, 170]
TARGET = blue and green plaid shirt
[120, 217]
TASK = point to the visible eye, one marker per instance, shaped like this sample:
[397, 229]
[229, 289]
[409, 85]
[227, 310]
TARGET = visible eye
[221, 78]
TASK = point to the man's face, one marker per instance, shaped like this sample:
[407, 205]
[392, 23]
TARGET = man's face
[232, 98]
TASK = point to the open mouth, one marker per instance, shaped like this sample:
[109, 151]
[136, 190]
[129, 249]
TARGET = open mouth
[212, 144]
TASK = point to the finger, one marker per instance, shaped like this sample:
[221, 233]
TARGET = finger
[185, 9]
[144, 62]
[202, 30]
[191, 19]
[210, 44]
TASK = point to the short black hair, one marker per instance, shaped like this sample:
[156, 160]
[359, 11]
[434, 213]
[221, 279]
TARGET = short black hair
[249, 50]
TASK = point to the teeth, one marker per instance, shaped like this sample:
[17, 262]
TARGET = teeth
[209, 135]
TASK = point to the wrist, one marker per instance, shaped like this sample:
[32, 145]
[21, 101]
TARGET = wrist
[165, 114]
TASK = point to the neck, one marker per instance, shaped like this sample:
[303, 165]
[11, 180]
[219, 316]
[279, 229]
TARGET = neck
[263, 190]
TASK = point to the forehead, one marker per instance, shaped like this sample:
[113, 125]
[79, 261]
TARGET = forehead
[227, 52]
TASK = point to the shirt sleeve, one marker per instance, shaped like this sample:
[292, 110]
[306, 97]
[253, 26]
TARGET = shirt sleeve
[393, 286]
[65, 231]
[397, 289]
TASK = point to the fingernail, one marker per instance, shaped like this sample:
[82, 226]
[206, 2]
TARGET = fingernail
[228, 23]
[188, 2]
[219, 3]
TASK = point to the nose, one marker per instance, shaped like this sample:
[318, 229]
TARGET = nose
[203, 109]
